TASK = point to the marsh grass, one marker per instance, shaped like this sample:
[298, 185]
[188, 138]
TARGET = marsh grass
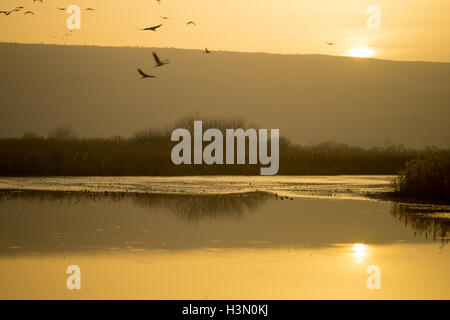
[427, 177]
[147, 153]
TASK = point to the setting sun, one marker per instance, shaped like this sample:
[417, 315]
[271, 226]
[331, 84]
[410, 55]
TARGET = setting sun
[360, 52]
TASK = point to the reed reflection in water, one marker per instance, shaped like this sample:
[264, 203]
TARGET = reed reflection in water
[428, 220]
[239, 246]
[52, 222]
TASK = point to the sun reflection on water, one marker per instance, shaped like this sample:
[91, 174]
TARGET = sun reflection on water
[359, 251]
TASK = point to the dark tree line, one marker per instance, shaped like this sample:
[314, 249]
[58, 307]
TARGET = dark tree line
[148, 153]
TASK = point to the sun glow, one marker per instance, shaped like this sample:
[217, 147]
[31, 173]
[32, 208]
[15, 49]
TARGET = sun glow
[359, 251]
[360, 52]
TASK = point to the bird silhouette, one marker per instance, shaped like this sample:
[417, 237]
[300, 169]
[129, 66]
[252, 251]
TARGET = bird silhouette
[61, 9]
[144, 75]
[152, 28]
[329, 43]
[165, 18]
[191, 22]
[207, 51]
[159, 63]
[89, 9]
[29, 12]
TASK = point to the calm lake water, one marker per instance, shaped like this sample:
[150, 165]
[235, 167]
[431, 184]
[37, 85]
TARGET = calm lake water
[218, 238]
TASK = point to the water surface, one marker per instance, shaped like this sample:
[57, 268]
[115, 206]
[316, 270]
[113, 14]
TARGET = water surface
[199, 238]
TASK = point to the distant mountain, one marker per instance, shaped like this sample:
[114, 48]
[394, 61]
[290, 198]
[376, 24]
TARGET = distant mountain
[310, 98]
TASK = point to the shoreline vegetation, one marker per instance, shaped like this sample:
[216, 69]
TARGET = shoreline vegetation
[425, 178]
[422, 174]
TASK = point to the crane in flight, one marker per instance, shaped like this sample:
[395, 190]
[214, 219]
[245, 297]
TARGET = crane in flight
[159, 63]
[144, 75]
[152, 28]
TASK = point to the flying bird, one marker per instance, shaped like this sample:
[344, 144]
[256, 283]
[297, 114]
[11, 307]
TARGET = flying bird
[144, 75]
[89, 9]
[29, 12]
[165, 18]
[159, 63]
[153, 28]
[191, 22]
[329, 43]
[61, 9]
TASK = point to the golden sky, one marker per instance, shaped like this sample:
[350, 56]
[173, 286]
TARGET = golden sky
[410, 30]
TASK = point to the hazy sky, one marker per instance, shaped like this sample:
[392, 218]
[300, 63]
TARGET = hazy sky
[410, 30]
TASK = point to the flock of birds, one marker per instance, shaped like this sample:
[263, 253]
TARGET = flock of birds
[21, 8]
[18, 9]
[158, 61]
